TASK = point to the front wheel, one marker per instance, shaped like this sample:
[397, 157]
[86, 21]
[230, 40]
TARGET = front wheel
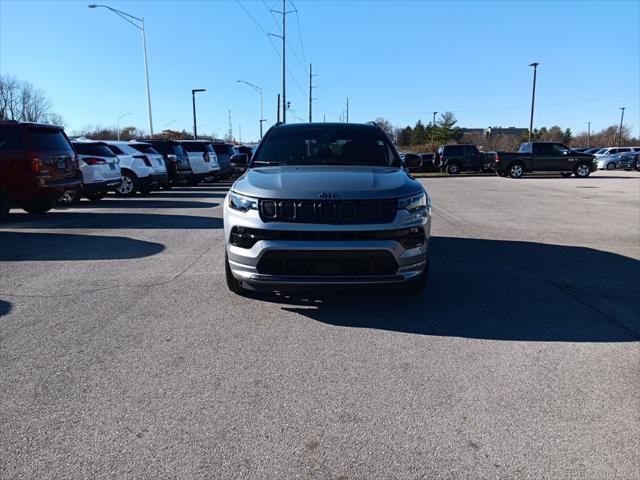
[70, 197]
[582, 170]
[232, 284]
[453, 169]
[516, 170]
[611, 166]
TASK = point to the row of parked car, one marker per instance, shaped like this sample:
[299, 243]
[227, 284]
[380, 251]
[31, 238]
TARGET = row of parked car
[40, 165]
[531, 156]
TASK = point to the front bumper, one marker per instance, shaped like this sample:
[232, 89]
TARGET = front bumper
[246, 266]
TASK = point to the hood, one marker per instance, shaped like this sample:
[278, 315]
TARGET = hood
[340, 182]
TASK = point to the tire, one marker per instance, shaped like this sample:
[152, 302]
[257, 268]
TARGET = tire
[96, 197]
[232, 284]
[611, 166]
[71, 197]
[128, 186]
[4, 207]
[566, 174]
[38, 207]
[453, 169]
[582, 170]
[516, 170]
[417, 285]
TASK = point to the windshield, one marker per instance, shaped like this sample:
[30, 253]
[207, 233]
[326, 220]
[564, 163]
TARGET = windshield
[97, 149]
[144, 148]
[326, 145]
[602, 150]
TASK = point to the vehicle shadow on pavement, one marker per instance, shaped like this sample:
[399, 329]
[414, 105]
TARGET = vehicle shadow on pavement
[75, 219]
[144, 203]
[497, 290]
[23, 246]
[5, 308]
[195, 194]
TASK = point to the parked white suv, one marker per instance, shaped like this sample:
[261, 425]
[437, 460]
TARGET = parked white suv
[156, 159]
[100, 172]
[138, 174]
[202, 159]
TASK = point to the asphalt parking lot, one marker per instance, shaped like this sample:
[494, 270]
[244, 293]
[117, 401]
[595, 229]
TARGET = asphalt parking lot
[123, 355]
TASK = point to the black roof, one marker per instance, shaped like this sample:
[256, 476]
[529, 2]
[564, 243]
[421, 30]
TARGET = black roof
[294, 126]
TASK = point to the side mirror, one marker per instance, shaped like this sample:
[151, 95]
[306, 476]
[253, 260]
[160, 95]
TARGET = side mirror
[239, 160]
[412, 160]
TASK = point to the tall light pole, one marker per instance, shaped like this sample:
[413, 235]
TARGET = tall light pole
[588, 134]
[193, 98]
[259, 90]
[433, 130]
[620, 135]
[139, 24]
[533, 97]
[118, 122]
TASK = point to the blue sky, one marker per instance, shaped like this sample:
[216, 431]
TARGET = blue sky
[398, 60]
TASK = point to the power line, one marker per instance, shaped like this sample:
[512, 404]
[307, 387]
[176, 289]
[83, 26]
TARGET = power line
[304, 56]
[275, 22]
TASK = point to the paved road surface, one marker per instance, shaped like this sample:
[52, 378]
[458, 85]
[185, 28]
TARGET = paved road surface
[122, 355]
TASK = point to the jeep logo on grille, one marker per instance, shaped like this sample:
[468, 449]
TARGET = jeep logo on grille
[327, 195]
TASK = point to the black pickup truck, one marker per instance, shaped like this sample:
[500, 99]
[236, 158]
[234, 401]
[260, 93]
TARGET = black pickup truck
[544, 157]
[454, 159]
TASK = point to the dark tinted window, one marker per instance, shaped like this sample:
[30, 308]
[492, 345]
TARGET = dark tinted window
[93, 149]
[115, 150]
[10, 137]
[220, 149]
[48, 139]
[194, 147]
[470, 150]
[144, 148]
[326, 145]
[454, 150]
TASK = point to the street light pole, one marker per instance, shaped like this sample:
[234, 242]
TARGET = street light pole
[259, 90]
[193, 98]
[140, 26]
[433, 129]
[588, 134]
[118, 123]
[533, 97]
[620, 135]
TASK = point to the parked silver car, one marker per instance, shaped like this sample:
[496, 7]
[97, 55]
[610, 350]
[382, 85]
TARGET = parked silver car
[326, 204]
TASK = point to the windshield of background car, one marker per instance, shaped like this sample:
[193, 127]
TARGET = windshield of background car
[144, 148]
[334, 145]
[220, 149]
[93, 149]
[194, 147]
[602, 150]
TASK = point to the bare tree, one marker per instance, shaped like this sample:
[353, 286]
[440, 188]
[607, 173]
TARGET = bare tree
[23, 102]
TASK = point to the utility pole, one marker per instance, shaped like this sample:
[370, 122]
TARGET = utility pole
[278, 108]
[347, 109]
[433, 129]
[193, 98]
[620, 135]
[230, 132]
[240, 130]
[533, 97]
[311, 75]
[284, 56]
[588, 134]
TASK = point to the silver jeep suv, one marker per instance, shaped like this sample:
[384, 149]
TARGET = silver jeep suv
[326, 204]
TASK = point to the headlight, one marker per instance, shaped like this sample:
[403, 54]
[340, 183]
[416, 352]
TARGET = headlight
[242, 203]
[412, 204]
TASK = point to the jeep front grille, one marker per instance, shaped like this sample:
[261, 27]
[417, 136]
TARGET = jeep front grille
[334, 212]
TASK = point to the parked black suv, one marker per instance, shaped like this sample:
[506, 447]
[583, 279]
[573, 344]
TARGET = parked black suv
[176, 160]
[454, 159]
[224, 152]
[37, 165]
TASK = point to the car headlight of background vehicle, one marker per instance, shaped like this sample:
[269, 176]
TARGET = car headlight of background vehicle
[242, 203]
[413, 203]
